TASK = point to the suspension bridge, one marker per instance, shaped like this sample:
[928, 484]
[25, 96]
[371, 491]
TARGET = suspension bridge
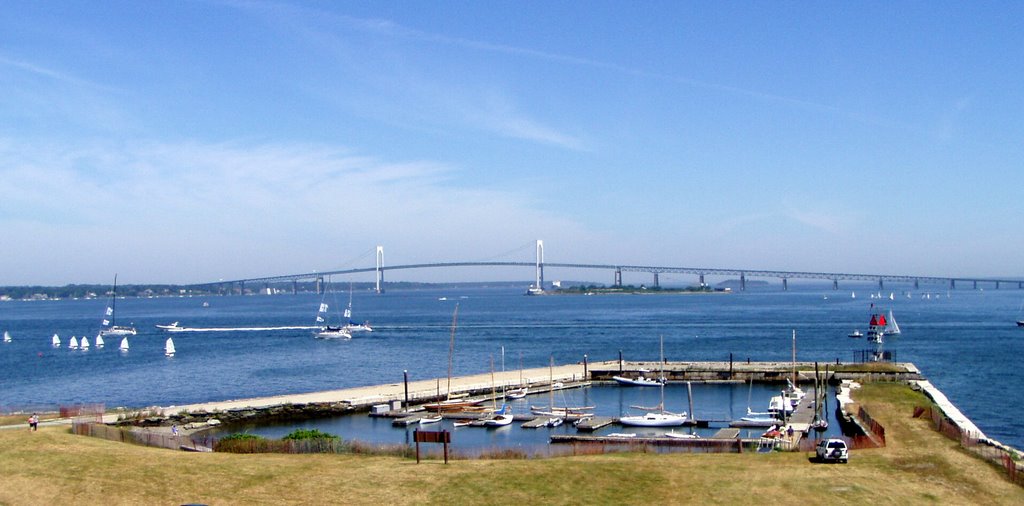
[539, 265]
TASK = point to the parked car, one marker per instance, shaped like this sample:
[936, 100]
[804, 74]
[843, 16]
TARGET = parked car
[832, 450]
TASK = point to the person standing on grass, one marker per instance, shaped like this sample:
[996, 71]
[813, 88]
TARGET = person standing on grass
[33, 422]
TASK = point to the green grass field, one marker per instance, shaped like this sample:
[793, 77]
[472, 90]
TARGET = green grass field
[919, 466]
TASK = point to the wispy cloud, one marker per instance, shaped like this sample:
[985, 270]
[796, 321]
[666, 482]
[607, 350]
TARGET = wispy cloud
[207, 211]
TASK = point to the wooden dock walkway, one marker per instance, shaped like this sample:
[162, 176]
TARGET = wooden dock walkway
[594, 423]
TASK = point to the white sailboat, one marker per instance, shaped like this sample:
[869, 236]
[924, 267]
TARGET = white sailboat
[325, 330]
[124, 344]
[55, 340]
[352, 326]
[85, 343]
[7, 336]
[891, 328]
[109, 326]
[658, 417]
[169, 347]
[73, 343]
[99, 340]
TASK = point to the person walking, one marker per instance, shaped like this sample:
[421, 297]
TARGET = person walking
[33, 422]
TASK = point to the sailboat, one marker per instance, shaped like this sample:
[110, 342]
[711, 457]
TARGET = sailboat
[501, 418]
[99, 341]
[520, 392]
[659, 417]
[451, 402]
[109, 326]
[891, 328]
[73, 343]
[169, 347]
[326, 331]
[85, 343]
[753, 418]
[55, 340]
[559, 411]
[7, 336]
[352, 326]
[124, 344]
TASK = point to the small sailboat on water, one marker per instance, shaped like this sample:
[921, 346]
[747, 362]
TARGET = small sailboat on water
[891, 328]
[85, 343]
[73, 343]
[55, 340]
[7, 336]
[325, 330]
[124, 344]
[99, 340]
[169, 347]
[109, 326]
[352, 326]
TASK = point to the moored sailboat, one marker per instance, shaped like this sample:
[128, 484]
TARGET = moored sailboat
[657, 417]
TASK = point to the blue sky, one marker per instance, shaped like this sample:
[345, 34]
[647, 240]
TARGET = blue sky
[201, 140]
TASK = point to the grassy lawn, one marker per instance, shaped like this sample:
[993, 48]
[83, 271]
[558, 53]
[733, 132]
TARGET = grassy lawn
[919, 466]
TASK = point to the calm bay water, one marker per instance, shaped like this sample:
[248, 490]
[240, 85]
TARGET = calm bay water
[966, 343]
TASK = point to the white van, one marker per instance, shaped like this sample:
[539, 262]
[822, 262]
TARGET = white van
[832, 450]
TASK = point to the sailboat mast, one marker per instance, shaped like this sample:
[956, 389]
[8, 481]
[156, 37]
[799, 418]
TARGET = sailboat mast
[551, 381]
[661, 379]
[451, 348]
[794, 358]
[113, 304]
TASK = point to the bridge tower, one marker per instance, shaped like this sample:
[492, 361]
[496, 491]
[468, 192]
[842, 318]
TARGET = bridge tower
[380, 269]
[743, 282]
[880, 285]
[785, 285]
[618, 276]
[952, 284]
[319, 285]
[540, 264]
[835, 283]
[702, 285]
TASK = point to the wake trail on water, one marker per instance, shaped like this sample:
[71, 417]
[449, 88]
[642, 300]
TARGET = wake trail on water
[236, 329]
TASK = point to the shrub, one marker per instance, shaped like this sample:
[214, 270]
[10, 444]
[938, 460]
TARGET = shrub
[303, 434]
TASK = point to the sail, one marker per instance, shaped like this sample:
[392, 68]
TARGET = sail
[891, 327]
[124, 344]
[73, 343]
[85, 343]
[7, 337]
[55, 340]
[99, 340]
[169, 347]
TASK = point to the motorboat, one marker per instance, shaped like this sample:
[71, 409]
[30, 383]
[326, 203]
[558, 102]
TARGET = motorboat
[430, 419]
[173, 327]
[639, 381]
[518, 392]
[680, 435]
[856, 334]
